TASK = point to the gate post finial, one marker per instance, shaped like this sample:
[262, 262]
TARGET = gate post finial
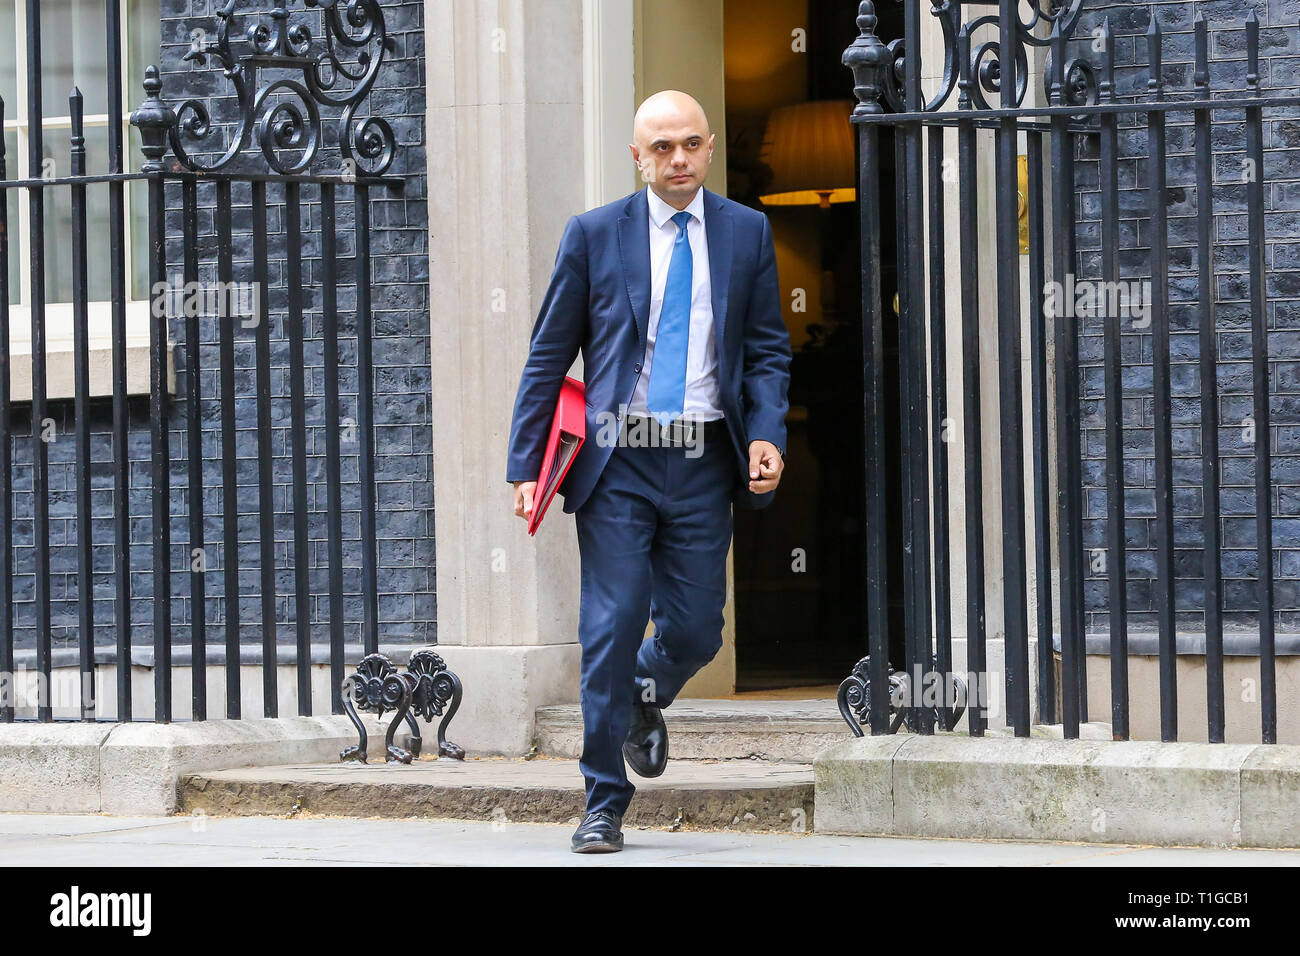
[153, 118]
[868, 58]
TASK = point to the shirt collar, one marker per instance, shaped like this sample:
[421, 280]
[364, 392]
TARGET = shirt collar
[661, 212]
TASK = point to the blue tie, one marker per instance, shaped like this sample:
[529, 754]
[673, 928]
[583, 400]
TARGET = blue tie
[666, 396]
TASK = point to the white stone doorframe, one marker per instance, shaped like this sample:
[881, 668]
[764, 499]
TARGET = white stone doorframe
[506, 135]
[932, 60]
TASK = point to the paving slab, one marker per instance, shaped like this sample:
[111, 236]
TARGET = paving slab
[312, 841]
[65, 824]
[743, 795]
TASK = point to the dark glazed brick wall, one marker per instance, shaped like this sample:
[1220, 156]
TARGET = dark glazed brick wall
[1280, 73]
[403, 436]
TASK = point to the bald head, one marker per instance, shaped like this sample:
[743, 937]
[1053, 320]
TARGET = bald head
[672, 145]
[668, 107]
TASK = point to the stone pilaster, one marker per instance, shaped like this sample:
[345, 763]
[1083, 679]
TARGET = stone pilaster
[506, 170]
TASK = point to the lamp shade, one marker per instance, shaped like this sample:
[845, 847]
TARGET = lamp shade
[809, 148]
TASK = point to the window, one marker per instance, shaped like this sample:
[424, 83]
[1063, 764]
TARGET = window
[74, 52]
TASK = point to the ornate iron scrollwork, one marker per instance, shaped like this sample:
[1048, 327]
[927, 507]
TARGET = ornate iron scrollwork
[880, 69]
[854, 699]
[435, 688]
[376, 687]
[285, 112]
[425, 690]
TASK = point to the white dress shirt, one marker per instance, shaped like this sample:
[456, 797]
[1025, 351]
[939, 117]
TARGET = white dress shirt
[702, 400]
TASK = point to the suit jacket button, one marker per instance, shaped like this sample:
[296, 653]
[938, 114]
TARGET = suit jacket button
[636, 368]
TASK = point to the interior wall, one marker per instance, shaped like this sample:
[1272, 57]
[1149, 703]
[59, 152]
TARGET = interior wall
[765, 70]
[679, 46]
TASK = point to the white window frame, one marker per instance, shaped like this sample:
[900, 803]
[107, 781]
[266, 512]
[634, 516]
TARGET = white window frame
[58, 315]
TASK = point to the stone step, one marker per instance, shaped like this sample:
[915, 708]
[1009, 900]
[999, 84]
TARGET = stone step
[1038, 788]
[695, 794]
[767, 730]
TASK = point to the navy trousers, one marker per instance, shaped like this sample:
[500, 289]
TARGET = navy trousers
[653, 539]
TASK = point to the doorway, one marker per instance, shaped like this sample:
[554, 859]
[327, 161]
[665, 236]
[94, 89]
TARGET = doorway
[799, 564]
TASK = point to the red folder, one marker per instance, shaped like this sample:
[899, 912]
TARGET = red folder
[568, 432]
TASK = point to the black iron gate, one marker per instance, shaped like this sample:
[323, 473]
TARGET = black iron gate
[1118, 251]
[280, 81]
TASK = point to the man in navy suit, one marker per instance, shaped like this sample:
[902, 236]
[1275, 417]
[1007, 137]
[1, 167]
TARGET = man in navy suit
[671, 295]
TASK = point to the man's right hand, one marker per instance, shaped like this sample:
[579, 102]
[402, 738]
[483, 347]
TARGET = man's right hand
[524, 491]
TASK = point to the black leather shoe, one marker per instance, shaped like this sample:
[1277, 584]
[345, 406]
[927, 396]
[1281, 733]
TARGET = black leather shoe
[599, 833]
[646, 746]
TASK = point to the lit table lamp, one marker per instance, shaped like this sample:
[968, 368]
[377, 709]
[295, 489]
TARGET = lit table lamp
[809, 148]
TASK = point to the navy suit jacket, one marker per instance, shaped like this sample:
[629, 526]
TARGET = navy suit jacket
[599, 301]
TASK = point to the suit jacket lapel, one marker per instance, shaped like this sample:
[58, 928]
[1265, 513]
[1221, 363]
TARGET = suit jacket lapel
[634, 251]
[718, 230]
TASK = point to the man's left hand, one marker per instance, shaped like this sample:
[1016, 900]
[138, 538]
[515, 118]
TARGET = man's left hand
[765, 467]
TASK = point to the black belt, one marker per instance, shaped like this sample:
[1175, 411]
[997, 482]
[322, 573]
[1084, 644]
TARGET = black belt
[682, 431]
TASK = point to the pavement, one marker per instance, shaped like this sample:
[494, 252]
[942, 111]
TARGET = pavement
[96, 840]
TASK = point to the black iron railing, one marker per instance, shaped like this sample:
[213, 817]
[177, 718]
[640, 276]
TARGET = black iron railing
[194, 164]
[1082, 113]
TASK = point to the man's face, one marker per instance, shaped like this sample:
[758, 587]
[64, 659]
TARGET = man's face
[673, 154]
